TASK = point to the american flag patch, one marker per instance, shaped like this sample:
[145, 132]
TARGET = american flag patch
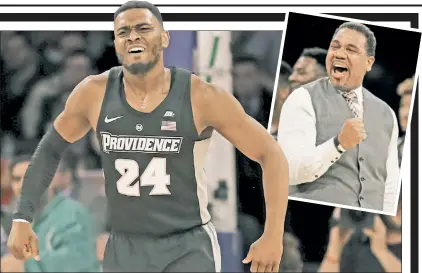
[168, 125]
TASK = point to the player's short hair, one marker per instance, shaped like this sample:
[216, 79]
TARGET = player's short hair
[140, 5]
[17, 160]
[371, 42]
[316, 53]
[285, 71]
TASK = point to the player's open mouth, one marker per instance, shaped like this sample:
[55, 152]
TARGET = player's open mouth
[136, 50]
[339, 70]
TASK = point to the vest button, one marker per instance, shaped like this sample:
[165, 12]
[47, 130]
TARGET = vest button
[360, 159]
[316, 176]
[362, 179]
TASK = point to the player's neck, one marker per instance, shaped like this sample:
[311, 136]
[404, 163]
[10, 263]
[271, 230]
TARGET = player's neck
[152, 81]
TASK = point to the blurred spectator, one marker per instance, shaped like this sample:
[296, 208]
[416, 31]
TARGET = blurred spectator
[98, 210]
[406, 86]
[405, 91]
[48, 95]
[264, 47]
[309, 67]
[256, 100]
[72, 41]
[3, 241]
[376, 249]
[63, 227]
[291, 261]
[282, 92]
[249, 90]
[251, 230]
[21, 70]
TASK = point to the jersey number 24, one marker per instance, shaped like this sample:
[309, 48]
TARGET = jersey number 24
[154, 175]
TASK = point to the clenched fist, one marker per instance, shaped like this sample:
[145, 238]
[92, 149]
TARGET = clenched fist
[352, 133]
[23, 242]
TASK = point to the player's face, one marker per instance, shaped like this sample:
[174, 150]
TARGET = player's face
[17, 175]
[347, 61]
[304, 71]
[139, 40]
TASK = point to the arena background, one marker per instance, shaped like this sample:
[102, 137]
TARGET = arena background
[227, 81]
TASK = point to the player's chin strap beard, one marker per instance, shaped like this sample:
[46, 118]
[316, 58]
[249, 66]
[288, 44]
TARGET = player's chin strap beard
[139, 68]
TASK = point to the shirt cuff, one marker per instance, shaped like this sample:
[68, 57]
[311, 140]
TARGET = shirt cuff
[331, 153]
[338, 146]
[341, 148]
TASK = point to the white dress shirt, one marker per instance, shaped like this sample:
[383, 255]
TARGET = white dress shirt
[307, 162]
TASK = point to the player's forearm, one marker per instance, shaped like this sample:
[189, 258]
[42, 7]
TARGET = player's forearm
[275, 172]
[39, 174]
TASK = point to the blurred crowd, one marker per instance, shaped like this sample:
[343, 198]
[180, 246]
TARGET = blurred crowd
[40, 69]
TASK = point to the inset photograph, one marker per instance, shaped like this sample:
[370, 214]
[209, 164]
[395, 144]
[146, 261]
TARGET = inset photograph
[345, 90]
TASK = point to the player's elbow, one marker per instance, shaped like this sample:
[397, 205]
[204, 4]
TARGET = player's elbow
[273, 157]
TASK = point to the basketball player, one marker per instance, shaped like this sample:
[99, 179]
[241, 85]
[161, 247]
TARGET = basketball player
[154, 125]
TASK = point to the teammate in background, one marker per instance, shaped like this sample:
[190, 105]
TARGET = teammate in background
[309, 67]
[154, 125]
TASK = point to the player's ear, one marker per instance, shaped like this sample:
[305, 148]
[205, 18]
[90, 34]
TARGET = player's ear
[165, 38]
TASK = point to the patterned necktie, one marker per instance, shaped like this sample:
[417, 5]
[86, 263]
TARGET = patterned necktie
[352, 100]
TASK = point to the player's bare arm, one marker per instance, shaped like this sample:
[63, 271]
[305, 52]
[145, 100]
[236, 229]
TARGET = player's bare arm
[82, 108]
[214, 107]
[71, 125]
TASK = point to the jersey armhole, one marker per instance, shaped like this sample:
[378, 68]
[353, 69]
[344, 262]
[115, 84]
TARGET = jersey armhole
[114, 72]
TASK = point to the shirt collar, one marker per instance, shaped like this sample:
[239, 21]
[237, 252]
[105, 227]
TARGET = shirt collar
[358, 92]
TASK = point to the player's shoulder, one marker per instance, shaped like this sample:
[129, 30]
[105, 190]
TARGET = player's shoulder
[203, 91]
[96, 80]
[92, 87]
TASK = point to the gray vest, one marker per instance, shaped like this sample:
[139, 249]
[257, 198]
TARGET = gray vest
[358, 177]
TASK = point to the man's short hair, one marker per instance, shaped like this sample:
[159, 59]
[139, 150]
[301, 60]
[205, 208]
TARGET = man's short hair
[140, 5]
[285, 71]
[317, 53]
[285, 68]
[371, 42]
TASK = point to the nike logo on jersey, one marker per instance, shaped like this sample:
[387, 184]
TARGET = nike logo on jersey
[150, 144]
[108, 120]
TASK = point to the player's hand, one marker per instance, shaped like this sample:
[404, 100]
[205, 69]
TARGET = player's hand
[11, 264]
[23, 242]
[265, 254]
[352, 133]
